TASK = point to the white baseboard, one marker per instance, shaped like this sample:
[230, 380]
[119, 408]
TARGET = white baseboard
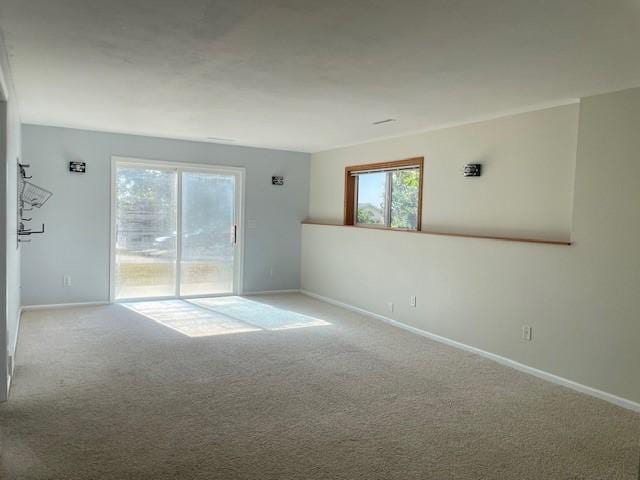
[12, 352]
[14, 344]
[609, 397]
[270, 292]
[27, 308]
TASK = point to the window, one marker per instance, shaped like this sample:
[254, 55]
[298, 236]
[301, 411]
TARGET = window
[384, 195]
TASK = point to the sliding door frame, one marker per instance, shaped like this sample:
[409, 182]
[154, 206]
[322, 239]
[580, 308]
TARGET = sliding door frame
[179, 167]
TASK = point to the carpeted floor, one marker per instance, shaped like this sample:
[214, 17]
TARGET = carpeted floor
[107, 393]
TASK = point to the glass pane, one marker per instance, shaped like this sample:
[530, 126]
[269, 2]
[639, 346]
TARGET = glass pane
[371, 193]
[208, 215]
[404, 198]
[145, 233]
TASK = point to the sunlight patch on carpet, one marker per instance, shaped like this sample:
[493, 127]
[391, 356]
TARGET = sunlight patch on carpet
[258, 314]
[189, 319]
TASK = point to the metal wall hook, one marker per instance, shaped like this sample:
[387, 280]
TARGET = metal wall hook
[28, 231]
[23, 172]
[30, 196]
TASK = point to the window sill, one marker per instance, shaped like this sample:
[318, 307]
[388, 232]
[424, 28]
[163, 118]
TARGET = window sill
[375, 227]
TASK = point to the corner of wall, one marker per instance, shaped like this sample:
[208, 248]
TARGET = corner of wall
[573, 177]
[10, 283]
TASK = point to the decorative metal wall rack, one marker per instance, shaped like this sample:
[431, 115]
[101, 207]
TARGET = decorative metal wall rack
[30, 196]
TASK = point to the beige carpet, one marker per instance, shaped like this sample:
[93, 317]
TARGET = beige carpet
[106, 393]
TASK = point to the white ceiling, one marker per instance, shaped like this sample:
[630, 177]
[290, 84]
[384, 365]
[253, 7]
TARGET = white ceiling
[309, 75]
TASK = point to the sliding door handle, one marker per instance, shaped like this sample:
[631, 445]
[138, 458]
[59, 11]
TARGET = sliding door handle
[234, 234]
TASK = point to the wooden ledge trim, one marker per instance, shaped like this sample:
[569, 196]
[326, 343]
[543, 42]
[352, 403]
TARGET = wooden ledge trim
[446, 234]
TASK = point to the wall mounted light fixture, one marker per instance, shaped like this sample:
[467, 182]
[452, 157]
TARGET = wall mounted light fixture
[472, 170]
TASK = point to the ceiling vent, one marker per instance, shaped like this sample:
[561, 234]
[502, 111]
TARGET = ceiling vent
[386, 120]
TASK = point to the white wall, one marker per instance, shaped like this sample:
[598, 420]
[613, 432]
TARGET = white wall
[77, 216]
[581, 300]
[10, 261]
[528, 159]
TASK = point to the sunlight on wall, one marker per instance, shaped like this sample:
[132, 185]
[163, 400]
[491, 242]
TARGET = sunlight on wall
[220, 316]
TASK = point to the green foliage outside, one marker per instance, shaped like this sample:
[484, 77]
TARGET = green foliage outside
[369, 214]
[404, 199]
[404, 202]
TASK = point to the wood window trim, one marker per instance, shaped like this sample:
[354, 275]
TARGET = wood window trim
[350, 186]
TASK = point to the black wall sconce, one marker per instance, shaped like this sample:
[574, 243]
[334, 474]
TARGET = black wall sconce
[472, 170]
[77, 167]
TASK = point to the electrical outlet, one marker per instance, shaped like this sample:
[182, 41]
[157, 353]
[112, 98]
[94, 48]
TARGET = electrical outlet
[390, 305]
[66, 280]
[412, 301]
[527, 333]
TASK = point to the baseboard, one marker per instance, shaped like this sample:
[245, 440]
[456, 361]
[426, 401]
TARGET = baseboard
[609, 397]
[14, 344]
[270, 292]
[12, 352]
[27, 308]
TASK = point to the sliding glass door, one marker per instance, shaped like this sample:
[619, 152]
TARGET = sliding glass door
[208, 231]
[175, 230]
[146, 213]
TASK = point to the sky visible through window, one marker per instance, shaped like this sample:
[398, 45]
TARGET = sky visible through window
[371, 188]
[398, 211]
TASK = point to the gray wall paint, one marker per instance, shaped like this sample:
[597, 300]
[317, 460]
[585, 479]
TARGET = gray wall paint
[77, 217]
[10, 262]
[581, 300]
[526, 190]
